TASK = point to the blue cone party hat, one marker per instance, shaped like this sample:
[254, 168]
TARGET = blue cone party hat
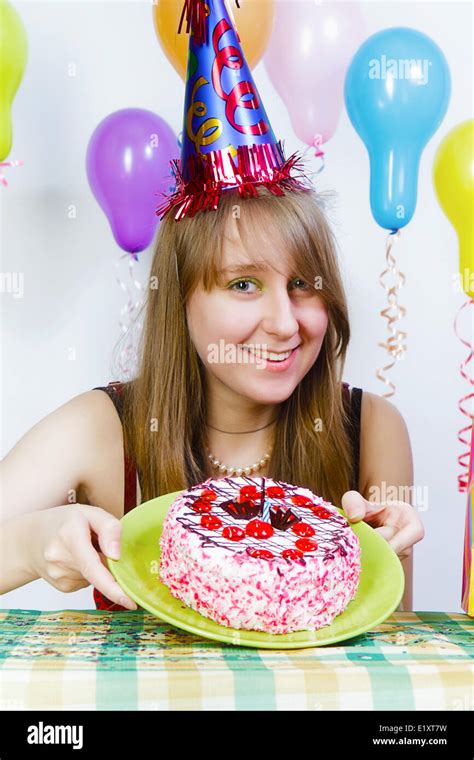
[228, 141]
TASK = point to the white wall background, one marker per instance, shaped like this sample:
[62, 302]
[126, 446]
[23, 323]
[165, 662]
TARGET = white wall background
[72, 301]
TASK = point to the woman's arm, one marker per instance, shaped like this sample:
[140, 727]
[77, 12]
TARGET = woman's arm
[386, 475]
[15, 552]
[63, 457]
[50, 467]
[44, 532]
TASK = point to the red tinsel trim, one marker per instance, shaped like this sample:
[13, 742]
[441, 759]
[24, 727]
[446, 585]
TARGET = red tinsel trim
[213, 172]
[196, 19]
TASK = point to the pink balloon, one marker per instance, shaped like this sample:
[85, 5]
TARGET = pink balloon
[309, 52]
[128, 167]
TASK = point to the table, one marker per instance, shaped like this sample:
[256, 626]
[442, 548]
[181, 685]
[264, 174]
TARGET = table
[96, 660]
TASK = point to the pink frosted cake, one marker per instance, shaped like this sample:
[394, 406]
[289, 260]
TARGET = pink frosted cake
[259, 554]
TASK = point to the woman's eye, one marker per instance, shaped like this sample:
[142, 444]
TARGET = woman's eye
[235, 286]
[241, 286]
[302, 284]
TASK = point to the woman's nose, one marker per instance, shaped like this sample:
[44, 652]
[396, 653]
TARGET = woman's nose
[279, 315]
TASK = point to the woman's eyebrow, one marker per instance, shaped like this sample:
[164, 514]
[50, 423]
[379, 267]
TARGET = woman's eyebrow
[245, 268]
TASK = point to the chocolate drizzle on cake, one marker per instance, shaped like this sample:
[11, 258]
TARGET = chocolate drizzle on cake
[331, 534]
[204, 533]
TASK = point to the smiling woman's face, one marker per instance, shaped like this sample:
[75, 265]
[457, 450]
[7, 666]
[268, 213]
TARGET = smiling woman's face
[269, 309]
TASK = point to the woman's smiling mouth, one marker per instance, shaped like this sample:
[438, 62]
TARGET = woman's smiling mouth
[275, 360]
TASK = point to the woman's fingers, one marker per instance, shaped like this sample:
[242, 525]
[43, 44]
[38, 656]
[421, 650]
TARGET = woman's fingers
[90, 566]
[107, 528]
[397, 521]
[387, 532]
[353, 504]
[357, 508]
[408, 534]
[402, 527]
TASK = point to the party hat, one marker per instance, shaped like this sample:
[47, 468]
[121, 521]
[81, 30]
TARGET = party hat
[228, 142]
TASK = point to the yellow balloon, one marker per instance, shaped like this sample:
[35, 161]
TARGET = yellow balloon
[13, 53]
[453, 176]
[254, 21]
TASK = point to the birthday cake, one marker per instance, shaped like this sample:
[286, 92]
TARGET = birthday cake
[259, 554]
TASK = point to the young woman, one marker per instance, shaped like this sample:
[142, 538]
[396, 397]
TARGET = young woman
[241, 368]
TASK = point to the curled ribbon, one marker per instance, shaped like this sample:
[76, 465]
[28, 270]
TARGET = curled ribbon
[128, 312]
[317, 142]
[318, 152]
[464, 435]
[8, 163]
[394, 345]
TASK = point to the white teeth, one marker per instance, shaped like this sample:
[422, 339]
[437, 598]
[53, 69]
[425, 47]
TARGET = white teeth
[267, 354]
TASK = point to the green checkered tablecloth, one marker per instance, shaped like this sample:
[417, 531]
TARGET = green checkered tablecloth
[95, 660]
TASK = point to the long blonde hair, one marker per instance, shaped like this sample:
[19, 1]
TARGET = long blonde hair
[165, 405]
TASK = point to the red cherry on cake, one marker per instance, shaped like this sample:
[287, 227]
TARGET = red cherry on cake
[301, 501]
[208, 495]
[249, 493]
[260, 553]
[233, 533]
[201, 505]
[292, 554]
[259, 529]
[275, 492]
[303, 529]
[321, 512]
[211, 521]
[306, 545]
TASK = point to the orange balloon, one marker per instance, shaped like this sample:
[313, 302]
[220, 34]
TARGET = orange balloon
[254, 21]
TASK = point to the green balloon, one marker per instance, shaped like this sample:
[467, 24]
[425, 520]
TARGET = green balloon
[14, 51]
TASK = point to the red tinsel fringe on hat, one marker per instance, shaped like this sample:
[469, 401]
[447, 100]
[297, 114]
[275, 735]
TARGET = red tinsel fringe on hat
[195, 11]
[208, 178]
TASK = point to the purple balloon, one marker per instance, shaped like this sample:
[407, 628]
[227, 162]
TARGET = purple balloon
[128, 167]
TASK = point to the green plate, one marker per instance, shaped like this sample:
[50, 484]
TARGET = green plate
[378, 595]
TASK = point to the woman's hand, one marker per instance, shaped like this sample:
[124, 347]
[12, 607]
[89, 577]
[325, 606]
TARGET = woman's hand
[397, 521]
[63, 553]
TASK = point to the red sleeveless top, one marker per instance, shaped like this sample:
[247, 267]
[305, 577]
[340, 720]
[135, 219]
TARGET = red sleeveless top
[132, 496]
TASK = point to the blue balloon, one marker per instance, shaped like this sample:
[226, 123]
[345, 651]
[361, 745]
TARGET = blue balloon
[397, 91]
